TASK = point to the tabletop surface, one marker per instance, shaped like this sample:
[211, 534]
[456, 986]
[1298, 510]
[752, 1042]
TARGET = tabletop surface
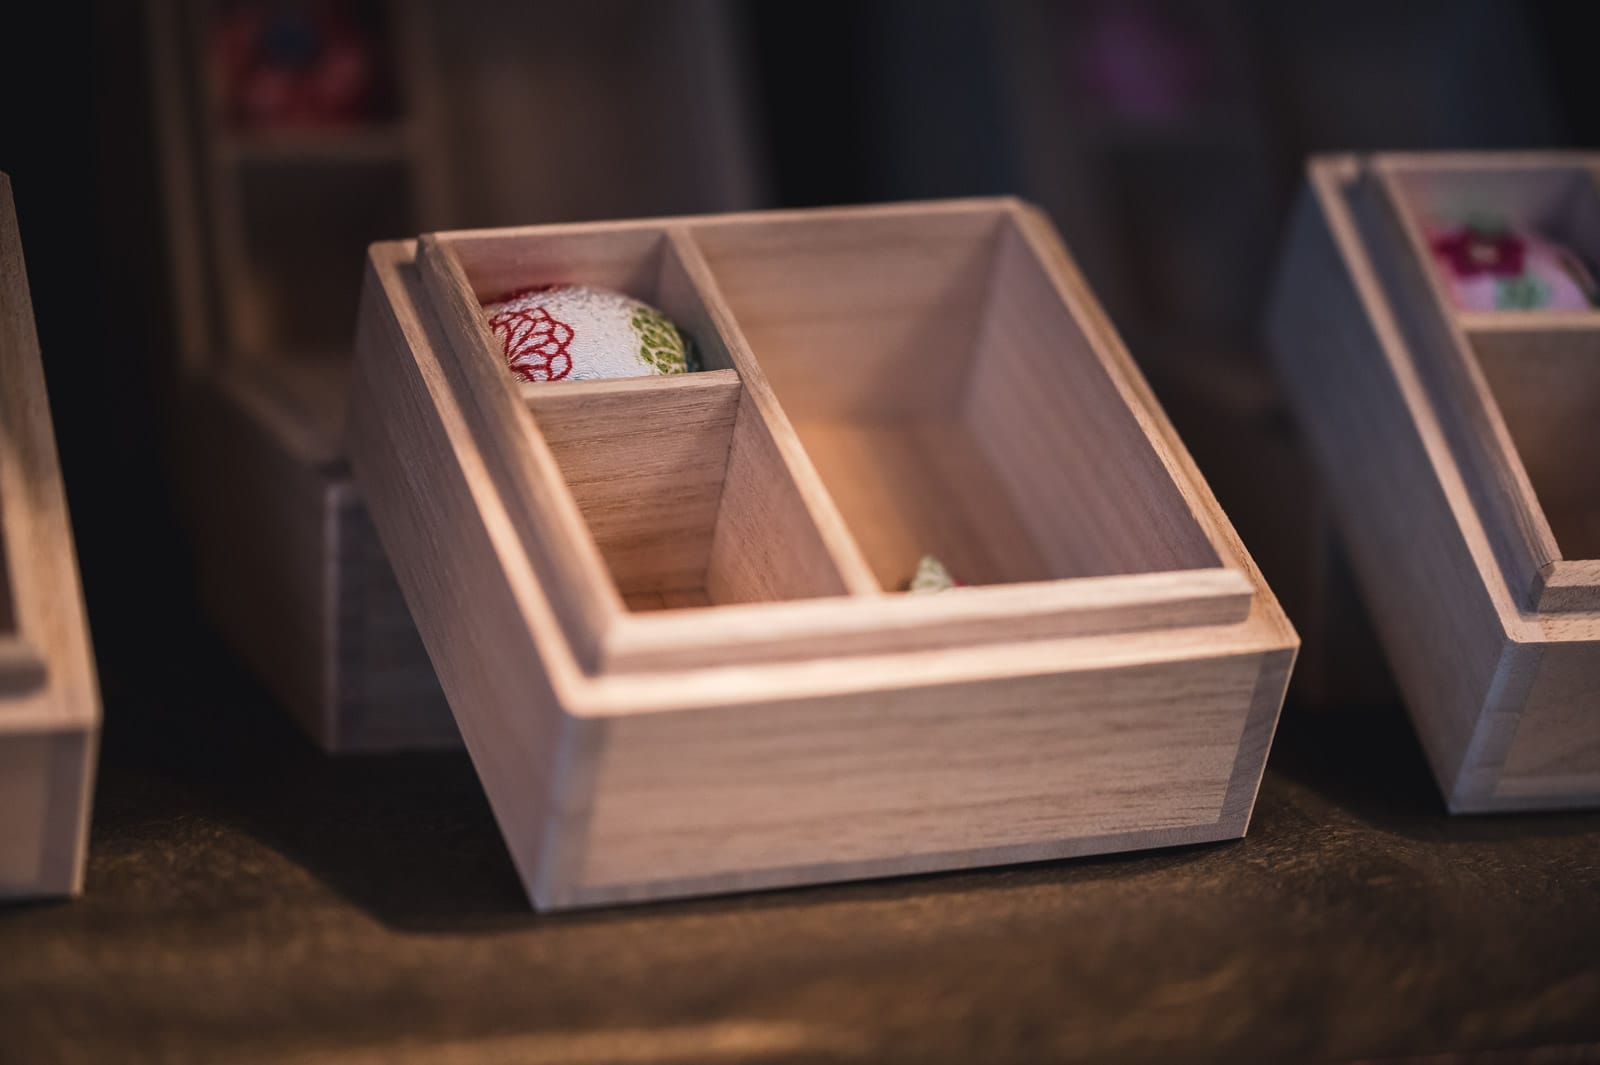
[250, 900]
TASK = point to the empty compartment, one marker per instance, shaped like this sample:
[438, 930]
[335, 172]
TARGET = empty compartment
[1547, 386]
[950, 400]
[683, 491]
[1548, 221]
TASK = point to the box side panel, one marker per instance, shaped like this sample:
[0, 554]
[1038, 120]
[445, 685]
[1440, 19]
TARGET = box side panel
[24, 803]
[1255, 742]
[1072, 453]
[1393, 486]
[73, 757]
[262, 522]
[1554, 757]
[387, 696]
[447, 537]
[922, 778]
[290, 569]
[45, 785]
[46, 780]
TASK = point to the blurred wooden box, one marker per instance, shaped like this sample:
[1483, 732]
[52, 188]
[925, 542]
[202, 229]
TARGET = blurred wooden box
[268, 228]
[49, 701]
[1462, 453]
[668, 612]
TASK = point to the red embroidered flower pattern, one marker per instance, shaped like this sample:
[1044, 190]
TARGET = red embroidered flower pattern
[1470, 252]
[535, 344]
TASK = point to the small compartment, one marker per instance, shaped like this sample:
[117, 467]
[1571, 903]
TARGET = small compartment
[683, 491]
[950, 398]
[640, 263]
[1548, 225]
[677, 477]
[1547, 386]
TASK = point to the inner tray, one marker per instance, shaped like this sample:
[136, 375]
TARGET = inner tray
[881, 386]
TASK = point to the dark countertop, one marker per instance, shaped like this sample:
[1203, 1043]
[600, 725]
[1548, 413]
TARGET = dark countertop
[252, 901]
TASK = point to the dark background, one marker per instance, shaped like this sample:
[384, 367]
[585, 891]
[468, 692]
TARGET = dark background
[1360, 923]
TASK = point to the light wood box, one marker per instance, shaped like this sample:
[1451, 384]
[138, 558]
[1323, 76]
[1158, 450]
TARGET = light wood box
[49, 701]
[1462, 454]
[665, 611]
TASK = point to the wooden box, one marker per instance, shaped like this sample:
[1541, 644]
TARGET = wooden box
[49, 702]
[266, 231]
[268, 224]
[667, 614]
[1462, 453]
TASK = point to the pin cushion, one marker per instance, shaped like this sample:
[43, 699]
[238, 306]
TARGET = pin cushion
[581, 332]
[1492, 266]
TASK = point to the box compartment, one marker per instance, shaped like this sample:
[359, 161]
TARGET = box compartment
[675, 480]
[1560, 203]
[639, 261]
[950, 399]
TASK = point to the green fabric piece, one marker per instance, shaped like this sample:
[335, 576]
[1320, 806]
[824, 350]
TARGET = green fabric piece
[661, 344]
[931, 576]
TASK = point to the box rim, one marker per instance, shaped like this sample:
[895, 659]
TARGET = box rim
[602, 692]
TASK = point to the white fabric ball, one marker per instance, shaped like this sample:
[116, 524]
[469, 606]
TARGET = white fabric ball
[575, 333]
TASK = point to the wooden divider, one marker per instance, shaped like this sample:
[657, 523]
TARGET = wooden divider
[682, 491]
[773, 444]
